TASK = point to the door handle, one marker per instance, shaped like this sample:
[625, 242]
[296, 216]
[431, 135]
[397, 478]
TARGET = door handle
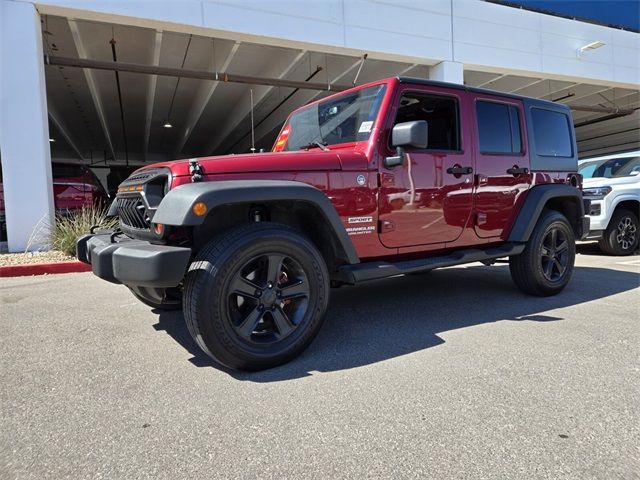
[458, 170]
[516, 170]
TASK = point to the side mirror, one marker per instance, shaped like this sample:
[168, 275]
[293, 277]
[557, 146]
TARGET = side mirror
[410, 134]
[406, 134]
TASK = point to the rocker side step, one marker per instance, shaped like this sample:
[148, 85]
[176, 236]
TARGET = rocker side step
[362, 272]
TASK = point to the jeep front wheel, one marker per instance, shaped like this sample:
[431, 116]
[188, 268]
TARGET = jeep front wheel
[545, 266]
[621, 235]
[255, 297]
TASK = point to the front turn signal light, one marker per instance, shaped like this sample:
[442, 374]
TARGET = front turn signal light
[199, 209]
[158, 228]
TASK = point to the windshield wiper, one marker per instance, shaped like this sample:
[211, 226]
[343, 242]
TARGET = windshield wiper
[316, 144]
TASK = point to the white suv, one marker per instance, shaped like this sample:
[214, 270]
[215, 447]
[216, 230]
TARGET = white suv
[612, 183]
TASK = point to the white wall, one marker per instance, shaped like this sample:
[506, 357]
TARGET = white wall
[24, 129]
[480, 35]
[512, 40]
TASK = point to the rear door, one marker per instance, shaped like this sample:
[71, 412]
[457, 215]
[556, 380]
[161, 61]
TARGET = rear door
[502, 163]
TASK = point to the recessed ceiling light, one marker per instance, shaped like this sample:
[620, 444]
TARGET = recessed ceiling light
[168, 125]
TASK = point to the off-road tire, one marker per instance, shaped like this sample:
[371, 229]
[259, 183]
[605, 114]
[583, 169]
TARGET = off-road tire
[622, 234]
[545, 266]
[171, 299]
[216, 298]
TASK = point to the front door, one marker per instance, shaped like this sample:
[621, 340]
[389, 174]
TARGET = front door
[427, 200]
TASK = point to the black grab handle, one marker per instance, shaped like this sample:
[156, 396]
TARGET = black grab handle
[515, 170]
[459, 170]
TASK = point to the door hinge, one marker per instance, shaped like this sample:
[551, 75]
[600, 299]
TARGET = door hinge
[386, 179]
[481, 180]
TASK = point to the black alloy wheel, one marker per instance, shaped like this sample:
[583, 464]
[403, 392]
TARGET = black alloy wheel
[268, 298]
[255, 296]
[554, 254]
[545, 266]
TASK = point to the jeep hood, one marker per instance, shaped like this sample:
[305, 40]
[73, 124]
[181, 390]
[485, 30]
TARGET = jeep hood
[312, 160]
[601, 181]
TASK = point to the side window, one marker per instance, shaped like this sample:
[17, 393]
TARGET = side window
[498, 128]
[441, 114]
[551, 131]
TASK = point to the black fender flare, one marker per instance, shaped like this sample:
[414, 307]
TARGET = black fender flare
[536, 200]
[176, 207]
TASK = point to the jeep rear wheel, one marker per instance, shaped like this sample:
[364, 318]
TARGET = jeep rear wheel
[621, 235]
[256, 296]
[545, 266]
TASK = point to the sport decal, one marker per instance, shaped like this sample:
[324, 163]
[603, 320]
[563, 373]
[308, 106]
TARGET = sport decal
[360, 219]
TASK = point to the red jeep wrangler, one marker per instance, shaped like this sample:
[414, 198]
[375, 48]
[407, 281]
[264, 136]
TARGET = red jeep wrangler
[393, 177]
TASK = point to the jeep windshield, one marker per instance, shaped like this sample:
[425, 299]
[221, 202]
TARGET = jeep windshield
[342, 119]
[613, 168]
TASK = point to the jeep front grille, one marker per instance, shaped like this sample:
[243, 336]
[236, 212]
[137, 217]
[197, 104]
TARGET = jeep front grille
[132, 213]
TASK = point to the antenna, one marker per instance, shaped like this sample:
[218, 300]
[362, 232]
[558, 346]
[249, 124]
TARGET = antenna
[253, 138]
[364, 57]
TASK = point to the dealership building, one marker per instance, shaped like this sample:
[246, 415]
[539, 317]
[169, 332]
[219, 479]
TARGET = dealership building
[123, 83]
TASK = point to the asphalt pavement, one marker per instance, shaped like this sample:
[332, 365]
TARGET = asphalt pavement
[453, 374]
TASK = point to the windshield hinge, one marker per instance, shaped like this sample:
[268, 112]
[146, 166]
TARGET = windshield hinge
[195, 170]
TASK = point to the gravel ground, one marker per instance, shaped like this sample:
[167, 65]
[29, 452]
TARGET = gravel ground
[7, 259]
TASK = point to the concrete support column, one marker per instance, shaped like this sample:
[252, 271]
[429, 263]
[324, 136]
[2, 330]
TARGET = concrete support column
[452, 72]
[24, 128]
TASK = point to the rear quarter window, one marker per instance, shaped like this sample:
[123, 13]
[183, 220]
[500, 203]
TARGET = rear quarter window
[552, 133]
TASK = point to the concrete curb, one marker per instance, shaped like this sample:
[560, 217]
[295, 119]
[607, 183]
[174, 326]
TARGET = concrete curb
[43, 269]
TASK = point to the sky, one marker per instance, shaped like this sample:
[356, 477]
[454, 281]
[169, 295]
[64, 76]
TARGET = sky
[625, 13]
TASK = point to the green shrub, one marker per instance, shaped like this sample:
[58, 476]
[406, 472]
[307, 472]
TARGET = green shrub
[69, 227]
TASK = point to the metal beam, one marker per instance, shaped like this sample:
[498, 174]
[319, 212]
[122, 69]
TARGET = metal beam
[408, 69]
[265, 128]
[151, 92]
[555, 92]
[580, 97]
[184, 73]
[341, 76]
[601, 119]
[238, 116]
[91, 83]
[599, 109]
[531, 84]
[492, 80]
[53, 116]
[202, 99]
[599, 93]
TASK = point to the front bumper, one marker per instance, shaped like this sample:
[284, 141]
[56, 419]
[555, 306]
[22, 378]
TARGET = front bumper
[599, 215]
[120, 259]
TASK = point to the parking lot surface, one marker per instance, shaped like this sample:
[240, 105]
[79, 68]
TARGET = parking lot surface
[453, 374]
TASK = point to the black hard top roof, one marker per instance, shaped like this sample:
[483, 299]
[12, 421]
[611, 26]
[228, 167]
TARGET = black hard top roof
[457, 86]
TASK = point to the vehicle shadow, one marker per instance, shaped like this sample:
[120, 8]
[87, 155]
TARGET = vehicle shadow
[591, 248]
[384, 319]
